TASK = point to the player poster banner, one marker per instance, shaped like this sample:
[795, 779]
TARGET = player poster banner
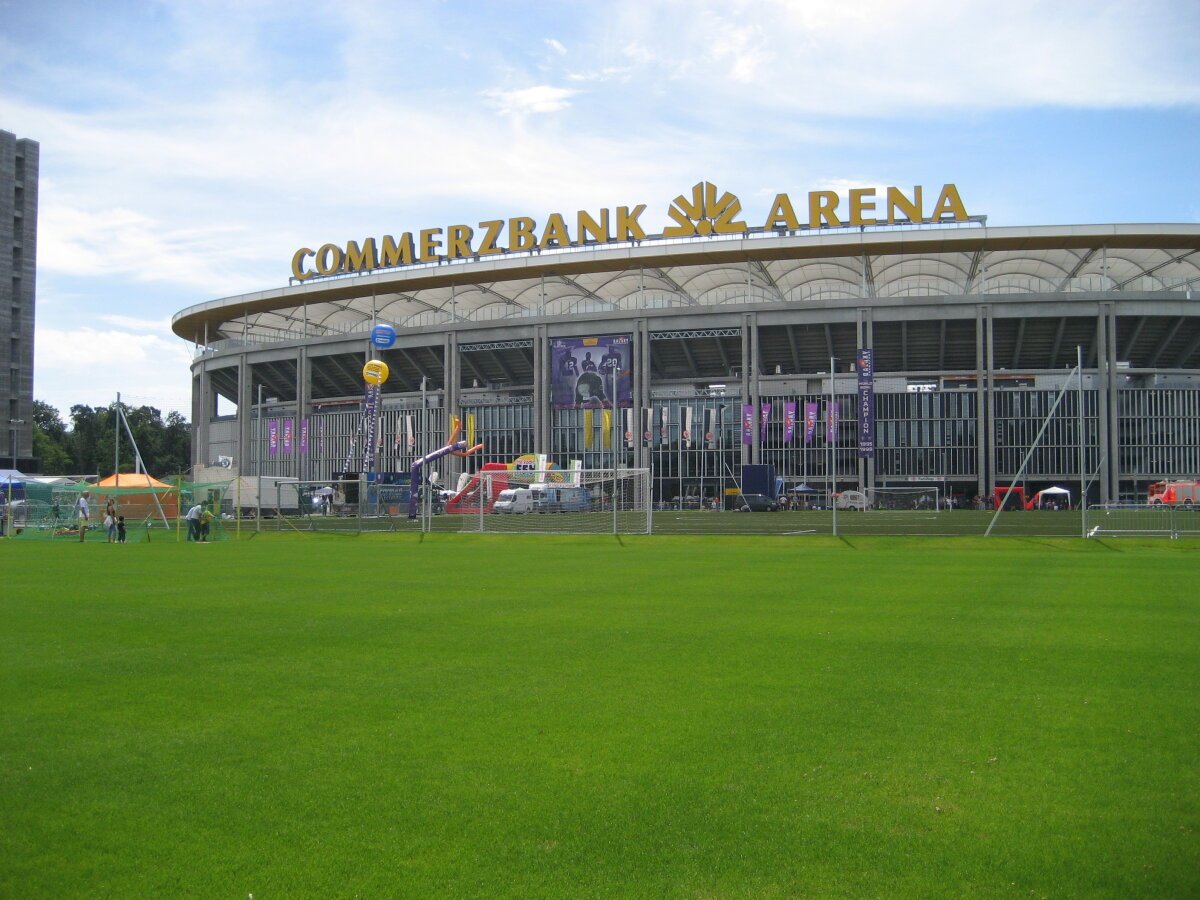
[273, 437]
[766, 417]
[710, 429]
[288, 425]
[748, 424]
[686, 436]
[647, 428]
[831, 421]
[810, 421]
[582, 371]
[789, 421]
[866, 403]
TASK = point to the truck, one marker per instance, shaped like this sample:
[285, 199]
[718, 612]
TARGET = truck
[1174, 493]
[544, 498]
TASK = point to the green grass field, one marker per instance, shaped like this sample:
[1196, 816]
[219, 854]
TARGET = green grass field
[326, 715]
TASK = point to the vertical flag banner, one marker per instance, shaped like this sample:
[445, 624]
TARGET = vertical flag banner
[321, 440]
[288, 425]
[710, 429]
[371, 418]
[628, 429]
[606, 420]
[810, 421]
[766, 417]
[273, 437]
[831, 421]
[686, 435]
[662, 427]
[412, 435]
[748, 423]
[866, 403]
[304, 436]
[647, 428]
[789, 421]
[587, 429]
[470, 429]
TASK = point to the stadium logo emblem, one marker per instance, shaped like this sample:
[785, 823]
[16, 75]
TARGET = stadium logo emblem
[705, 213]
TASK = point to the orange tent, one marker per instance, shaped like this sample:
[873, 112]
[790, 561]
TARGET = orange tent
[134, 493]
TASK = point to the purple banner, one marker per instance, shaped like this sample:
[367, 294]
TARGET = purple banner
[866, 403]
[304, 436]
[273, 437]
[748, 424]
[583, 371]
[371, 417]
[766, 417]
[810, 421]
[789, 421]
[288, 425]
[831, 421]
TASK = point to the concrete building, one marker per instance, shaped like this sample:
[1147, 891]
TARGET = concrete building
[974, 332]
[18, 270]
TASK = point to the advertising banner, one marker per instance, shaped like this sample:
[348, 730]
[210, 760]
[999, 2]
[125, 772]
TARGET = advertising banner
[810, 421]
[647, 427]
[748, 423]
[606, 426]
[789, 421]
[408, 430]
[710, 429]
[628, 429]
[288, 425]
[866, 403]
[686, 435]
[583, 371]
[663, 433]
[273, 437]
[304, 436]
[831, 421]
[766, 417]
[588, 427]
[371, 415]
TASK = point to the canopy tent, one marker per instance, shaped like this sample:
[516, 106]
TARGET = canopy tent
[1050, 494]
[138, 497]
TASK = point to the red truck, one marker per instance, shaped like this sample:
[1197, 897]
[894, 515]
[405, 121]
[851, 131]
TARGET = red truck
[1174, 493]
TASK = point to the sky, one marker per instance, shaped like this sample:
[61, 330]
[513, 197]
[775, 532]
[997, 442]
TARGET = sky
[188, 149]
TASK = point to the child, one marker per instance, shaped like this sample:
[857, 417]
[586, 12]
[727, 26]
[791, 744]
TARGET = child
[120, 529]
[110, 525]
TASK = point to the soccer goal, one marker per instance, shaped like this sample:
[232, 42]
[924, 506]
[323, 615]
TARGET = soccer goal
[926, 498]
[556, 501]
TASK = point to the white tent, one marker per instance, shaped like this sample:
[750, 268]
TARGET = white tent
[1051, 493]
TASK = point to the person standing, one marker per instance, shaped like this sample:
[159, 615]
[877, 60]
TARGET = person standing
[193, 523]
[120, 529]
[206, 518]
[110, 527]
[82, 514]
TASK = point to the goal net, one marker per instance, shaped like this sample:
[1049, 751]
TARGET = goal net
[926, 498]
[592, 501]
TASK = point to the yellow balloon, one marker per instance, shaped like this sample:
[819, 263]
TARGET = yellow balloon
[375, 372]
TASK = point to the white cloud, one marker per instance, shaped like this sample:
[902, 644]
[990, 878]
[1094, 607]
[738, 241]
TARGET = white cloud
[556, 46]
[542, 98]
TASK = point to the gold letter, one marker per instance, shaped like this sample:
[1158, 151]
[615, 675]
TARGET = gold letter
[555, 233]
[949, 202]
[590, 228]
[361, 259]
[458, 246]
[628, 228]
[398, 254]
[782, 215]
[329, 259]
[489, 237]
[857, 206]
[910, 208]
[429, 245]
[520, 233]
[298, 264]
[822, 205]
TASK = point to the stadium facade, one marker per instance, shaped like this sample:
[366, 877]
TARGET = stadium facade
[721, 339]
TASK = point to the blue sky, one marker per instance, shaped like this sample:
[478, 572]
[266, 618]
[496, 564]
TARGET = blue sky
[189, 148]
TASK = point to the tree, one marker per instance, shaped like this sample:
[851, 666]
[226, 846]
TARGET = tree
[90, 445]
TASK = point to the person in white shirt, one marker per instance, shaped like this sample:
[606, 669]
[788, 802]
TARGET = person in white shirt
[193, 523]
[82, 512]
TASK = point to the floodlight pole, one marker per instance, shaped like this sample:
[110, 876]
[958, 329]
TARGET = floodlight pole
[258, 466]
[117, 441]
[829, 423]
[1082, 451]
[614, 446]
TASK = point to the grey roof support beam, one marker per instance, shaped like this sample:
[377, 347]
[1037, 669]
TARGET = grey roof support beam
[976, 261]
[466, 358]
[675, 285]
[724, 355]
[1016, 357]
[829, 341]
[903, 345]
[687, 351]
[868, 276]
[504, 369]
[1192, 346]
[1137, 332]
[341, 370]
[1168, 262]
[1058, 336]
[791, 334]
[414, 363]
[768, 278]
[942, 345]
[1162, 348]
[611, 304]
[1076, 269]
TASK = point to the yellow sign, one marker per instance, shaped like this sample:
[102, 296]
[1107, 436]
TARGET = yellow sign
[705, 213]
[376, 372]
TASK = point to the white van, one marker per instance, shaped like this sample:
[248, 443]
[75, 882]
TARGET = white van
[851, 500]
[514, 500]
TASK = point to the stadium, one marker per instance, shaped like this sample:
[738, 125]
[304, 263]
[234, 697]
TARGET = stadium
[722, 342]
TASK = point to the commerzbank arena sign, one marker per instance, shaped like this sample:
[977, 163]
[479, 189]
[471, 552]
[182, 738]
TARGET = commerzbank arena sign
[705, 213]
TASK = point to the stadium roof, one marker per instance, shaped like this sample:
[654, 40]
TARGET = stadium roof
[819, 269]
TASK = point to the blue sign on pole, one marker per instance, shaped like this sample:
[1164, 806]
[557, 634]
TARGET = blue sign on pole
[383, 336]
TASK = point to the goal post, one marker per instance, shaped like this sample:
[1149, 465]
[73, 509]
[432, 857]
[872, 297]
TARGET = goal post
[925, 498]
[557, 501]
